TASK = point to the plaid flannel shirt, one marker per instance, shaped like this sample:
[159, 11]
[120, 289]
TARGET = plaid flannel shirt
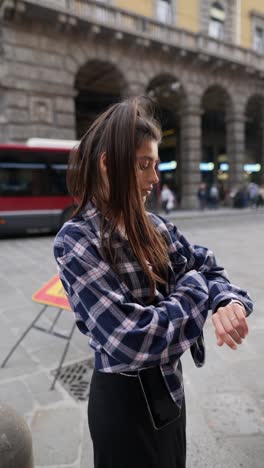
[126, 333]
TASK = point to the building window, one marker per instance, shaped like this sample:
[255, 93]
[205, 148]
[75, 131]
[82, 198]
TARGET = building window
[217, 21]
[164, 11]
[258, 40]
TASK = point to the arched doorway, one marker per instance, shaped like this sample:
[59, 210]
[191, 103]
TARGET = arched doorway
[253, 167]
[99, 84]
[167, 91]
[216, 106]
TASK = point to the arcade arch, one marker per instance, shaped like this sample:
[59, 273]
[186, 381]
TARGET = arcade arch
[98, 85]
[254, 141]
[169, 94]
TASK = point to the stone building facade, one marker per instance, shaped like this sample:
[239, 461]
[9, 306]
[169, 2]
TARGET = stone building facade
[56, 54]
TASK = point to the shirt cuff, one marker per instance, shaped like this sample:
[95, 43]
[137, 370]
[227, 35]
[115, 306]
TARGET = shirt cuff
[230, 301]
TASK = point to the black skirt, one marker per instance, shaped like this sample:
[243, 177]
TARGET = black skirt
[121, 429]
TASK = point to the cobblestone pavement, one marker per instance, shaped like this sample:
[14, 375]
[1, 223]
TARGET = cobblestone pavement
[225, 399]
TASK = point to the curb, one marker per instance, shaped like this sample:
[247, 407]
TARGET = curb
[184, 214]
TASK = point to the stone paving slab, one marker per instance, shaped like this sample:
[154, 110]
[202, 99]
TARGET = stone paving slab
[203, 449]
[86, 460]
[233, 414]
[17, 395]
[39, 384]
[57, 435]
[248, 450]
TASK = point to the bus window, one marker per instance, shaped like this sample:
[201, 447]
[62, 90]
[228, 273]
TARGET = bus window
[57, 179]
[22, 179]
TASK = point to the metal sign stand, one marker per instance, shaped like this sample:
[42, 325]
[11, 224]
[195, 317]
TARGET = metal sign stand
[50, 331]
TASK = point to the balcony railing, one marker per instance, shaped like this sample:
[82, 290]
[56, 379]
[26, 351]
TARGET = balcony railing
[123, 22]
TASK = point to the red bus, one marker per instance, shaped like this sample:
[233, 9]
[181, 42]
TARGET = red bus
[33, 192]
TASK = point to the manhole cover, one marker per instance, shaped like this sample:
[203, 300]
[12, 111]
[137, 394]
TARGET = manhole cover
[76, 378]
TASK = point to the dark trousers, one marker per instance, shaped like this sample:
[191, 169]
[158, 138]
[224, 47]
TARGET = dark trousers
[121, 429]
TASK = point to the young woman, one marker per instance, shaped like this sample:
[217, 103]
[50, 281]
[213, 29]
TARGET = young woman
[140, 291]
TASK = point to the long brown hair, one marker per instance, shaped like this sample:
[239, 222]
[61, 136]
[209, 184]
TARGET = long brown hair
[119, 132]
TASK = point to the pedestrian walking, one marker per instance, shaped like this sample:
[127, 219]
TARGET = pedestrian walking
[239, 196]
[140, 291]
[202, 195]
[167, 198]
[213, 196]
[253, 193]
[260, 197]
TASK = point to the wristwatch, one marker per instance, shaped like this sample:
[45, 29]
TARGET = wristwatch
[225, 302]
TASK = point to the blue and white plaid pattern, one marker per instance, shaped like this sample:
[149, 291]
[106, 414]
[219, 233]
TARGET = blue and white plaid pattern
[111, 309]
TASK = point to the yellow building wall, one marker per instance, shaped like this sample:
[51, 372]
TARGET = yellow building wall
[140, 7]
[188, 15]
[246, 20]
[187, 12]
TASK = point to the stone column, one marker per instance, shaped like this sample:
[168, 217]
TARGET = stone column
[191, 144]
[236, 148]
[3, 128]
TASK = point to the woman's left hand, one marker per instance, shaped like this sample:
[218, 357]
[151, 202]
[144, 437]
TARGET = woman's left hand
[230, 324]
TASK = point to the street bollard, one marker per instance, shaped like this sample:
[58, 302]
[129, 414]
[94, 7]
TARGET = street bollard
[15, 440]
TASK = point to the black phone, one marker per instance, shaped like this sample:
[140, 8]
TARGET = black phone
[162, 409]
